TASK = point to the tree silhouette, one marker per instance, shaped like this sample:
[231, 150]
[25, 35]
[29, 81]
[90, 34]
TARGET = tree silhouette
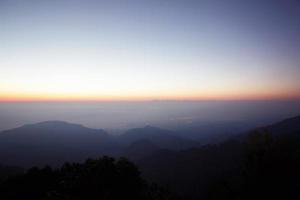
[103, 178]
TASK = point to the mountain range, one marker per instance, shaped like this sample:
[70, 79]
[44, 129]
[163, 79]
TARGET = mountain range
[54, 142]
[261, 159]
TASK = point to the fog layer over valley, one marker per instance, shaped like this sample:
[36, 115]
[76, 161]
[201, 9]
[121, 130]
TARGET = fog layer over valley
[117, 117]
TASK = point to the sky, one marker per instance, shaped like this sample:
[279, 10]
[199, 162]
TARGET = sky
[149, 50]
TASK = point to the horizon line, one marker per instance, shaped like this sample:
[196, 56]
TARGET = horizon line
[146, 100]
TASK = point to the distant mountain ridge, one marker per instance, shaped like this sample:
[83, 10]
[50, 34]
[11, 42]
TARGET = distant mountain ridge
[140, 149]
[54, 142]
[58, 141]
[161, 137]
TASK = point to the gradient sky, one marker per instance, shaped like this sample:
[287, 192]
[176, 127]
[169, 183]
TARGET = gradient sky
[167, 49]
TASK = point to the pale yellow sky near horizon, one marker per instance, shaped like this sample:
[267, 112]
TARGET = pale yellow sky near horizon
[105, 50]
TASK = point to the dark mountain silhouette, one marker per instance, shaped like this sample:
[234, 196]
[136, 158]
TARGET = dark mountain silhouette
[190, 172]
[207, 132]
[159, 137]
[264, 165]
[53, 142]
[140, 149]
[289, 126]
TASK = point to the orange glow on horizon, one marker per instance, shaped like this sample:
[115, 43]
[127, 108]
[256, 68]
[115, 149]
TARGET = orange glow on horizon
[188, 97]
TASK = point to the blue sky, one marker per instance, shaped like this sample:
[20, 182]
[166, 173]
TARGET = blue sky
[98, 50]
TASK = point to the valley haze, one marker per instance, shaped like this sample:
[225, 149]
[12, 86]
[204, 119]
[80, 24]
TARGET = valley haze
[118, 116]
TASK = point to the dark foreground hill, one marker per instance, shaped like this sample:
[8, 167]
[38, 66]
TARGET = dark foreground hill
[290, 126]
[140, 149]
[104, 178]
[264, 165]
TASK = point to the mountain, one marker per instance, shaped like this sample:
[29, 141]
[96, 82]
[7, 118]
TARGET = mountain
[189, 172]
[53, 142]
[289, 126]
[160, 137]
[238, 168]
[140, 149]
[254, 167]
[207, 132]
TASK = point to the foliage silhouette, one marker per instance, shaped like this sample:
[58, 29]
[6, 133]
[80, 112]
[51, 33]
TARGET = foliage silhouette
[104, 178]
